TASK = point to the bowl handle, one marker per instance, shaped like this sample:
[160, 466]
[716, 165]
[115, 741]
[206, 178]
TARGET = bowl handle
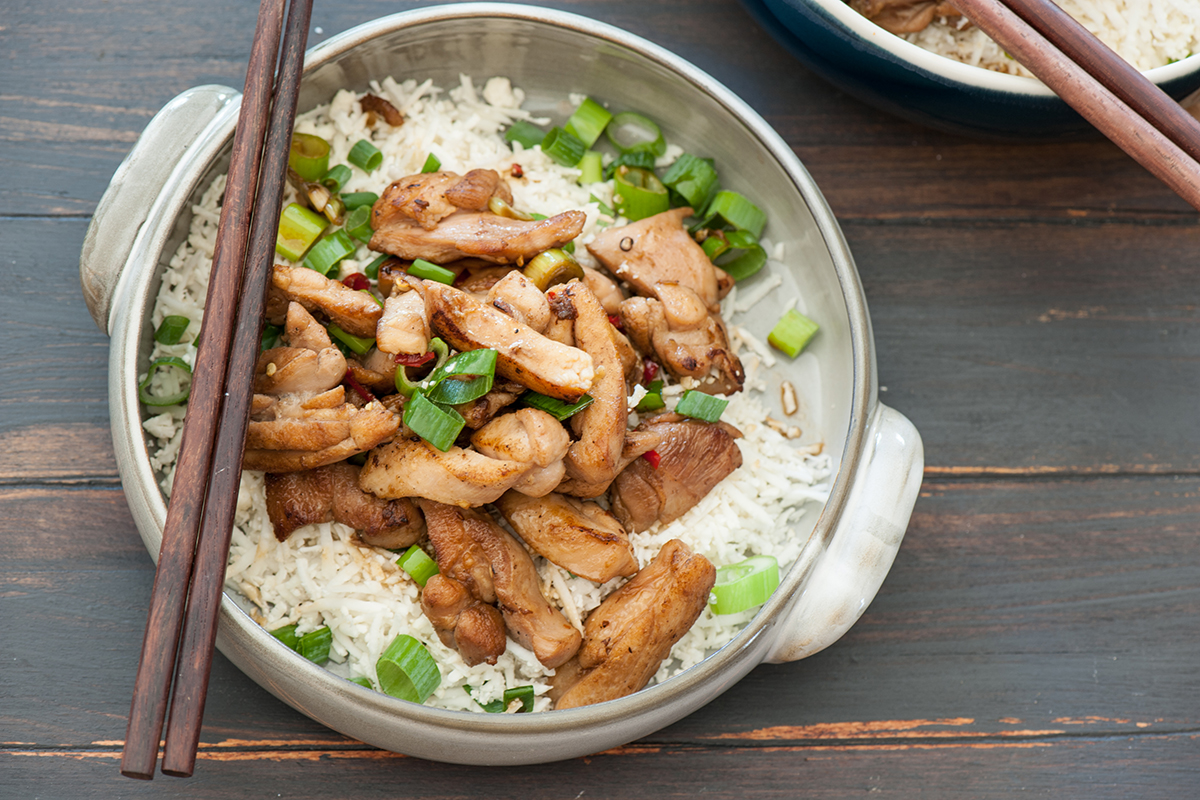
[135, 186]
[864, 543]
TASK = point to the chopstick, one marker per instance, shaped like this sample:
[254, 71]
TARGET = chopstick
[174, 574]
[1086, 75]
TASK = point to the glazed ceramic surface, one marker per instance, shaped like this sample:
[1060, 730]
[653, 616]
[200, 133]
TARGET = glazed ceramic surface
[884, 70]
[850, 542]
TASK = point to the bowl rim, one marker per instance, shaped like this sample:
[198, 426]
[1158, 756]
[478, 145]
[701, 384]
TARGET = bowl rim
[957, 71]
[683, 693]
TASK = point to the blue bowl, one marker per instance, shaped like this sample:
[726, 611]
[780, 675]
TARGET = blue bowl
[885, 71]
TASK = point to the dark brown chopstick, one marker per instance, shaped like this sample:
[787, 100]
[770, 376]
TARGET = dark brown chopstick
[1074, 83]
[208, 576]
[172, 579]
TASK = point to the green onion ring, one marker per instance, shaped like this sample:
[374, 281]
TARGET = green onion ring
[170, 400]
[632, 131]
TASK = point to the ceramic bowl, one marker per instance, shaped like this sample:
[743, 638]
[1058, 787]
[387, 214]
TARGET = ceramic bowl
[850, 542]
[884, 70]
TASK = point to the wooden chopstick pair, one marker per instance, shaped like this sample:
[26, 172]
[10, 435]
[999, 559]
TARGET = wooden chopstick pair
[1118, 100]
[195, 544]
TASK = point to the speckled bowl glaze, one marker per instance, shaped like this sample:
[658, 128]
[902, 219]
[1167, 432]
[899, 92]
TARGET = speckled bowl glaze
[850, 542]
[884, 70]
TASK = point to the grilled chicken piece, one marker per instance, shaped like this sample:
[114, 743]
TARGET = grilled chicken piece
[356, 313]
[577, 536]
[637, 443]
[524, 355]
[468, 538]
[477, 234]
[532, 437]
[477, 277]
[473, 628]
[605, 289]
[905, 16]
[694, 457]
[404, 325]
[481, 411]
[284, 443]
[428, 198]
[411, 467]
[658, 250]
[376, 372]
[517, 296]
[331, 494]
[286, 370]
[684, 338]
[627, 637]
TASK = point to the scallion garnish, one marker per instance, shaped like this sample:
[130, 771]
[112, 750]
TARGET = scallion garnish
[733, 209]
[353, 200]
[356, 343]
[372, 270]
[314, 645]
[552, 267]
[328, 251]
[309, 156]
[739, 267]
[746, 264]
[632, 131]
[792, 333]
[591, 168]
[643, 159]
[365, 156]
[526, 133]
[287, 635]
[437, 425]
[563, 147]
[431, 272]
[167, 362]
[358, 223]
[652, 400]
[417, 563]
[639, 193]
[692, 179]
[521, 693]
[555, 407]
[336, 177]
[363, 682]
[603, 206]
[407, 671]
[406, 387]
[270, 336]
[701, 406]
[432, 164]
[466, 377]
[744, 585]
[171, 329]
[588, 121]
[299, 227]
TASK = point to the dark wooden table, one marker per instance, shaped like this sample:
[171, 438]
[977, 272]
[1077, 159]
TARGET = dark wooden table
[1036, 313]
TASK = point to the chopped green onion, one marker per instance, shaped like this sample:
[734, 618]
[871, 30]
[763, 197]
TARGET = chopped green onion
[563, 147]
[407, 671]
[652, 400]
[522, 693]
[314, 645]
[171, 329]
[406, 387]
[639, 194]
[356, 343]
[604, 208]
[309, 156]
[501, 208]
[719, 242]
[555, 407]
[365, 156]
[456, 391]
[466, 377]
[287, 635]
[168, 400]
[744, 585]
[734, 209]
[746, 264]
[693, 179]
[632, 131]
[367, 292]
[792, 333]
[432, 164]
[353, 200]
[436, 425]
[432, 272]
[493, 707]
[552, 267]
[419, 566]
[358, 223]
[591, 168]
[270, 336]
[699, 405]
[714, 246]
[588, 121]
[363, 682]
[372, 270]
[643, 159]
[299, 227]
[336, 177]
[526, 133]
[327, 252]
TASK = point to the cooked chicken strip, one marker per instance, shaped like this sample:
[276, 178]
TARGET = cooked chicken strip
[695, 346]
[905, 16]
[428, 198]
[288, 444]
[517, 296]
[529, 436]
[404, 325]
[285, 370]
[301, 329]
[524, 355]
[627, 637]
[637, 443]
[694, 457]
[331, 494]
[411, 467]
[605, 289]
[375, 371]
[473, 628]
[481, 411]
[483, 235]
[577, 536]
[476, 188]
[455, 550]
[357, 313]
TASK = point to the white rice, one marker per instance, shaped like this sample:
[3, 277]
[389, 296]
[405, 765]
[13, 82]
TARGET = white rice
[1146, 33]
[322, 576]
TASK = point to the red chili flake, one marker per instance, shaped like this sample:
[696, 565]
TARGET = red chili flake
[649, 370]
[409, 360]
[517, 172]
[358, 388]
[615, 321]
[653, 457]
[357, 281]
